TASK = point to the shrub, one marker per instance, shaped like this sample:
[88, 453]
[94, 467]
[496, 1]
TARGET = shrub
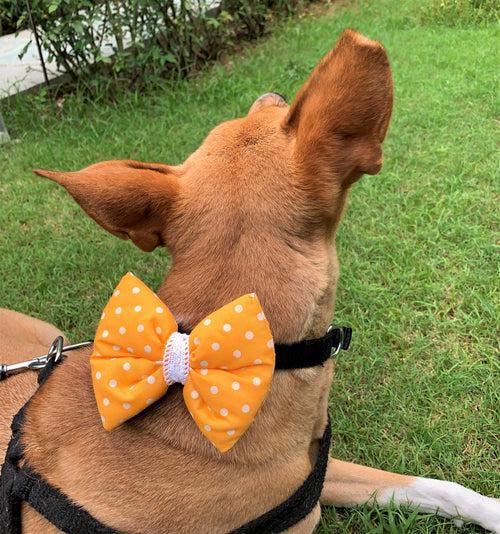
[10, 14]
[143, 39]
[462, 12]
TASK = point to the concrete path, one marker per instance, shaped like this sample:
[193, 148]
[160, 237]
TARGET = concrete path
[16, 74]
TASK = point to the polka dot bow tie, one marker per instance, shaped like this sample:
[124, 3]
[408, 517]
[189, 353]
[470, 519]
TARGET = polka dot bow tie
[226, 363]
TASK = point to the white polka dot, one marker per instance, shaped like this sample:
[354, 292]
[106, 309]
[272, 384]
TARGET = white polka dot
[256, 381]
[257, 361]
[231, 432]
[105, 333]
[126, 405]
[227, 327]
[149, 402]
[224, 367]
[194, 394]
[238, 308]
[116, 347]
[116, 293]
[147, 348]
[235, 385]
[105, 401]
[204, 363]
[130, 349]
[118, 310]
[103, 419]
[261, 316]
[249, 335]
[137, 308]
[215, 346]
[113, 383]
[158, 330]
[207, 428]
[196, 340]
[140, 328]
[214, 390]
[151, 379]
[135, 290]
[237, 353]
[245, 408]
[207, 322]
[122, 330]
[159, 309]
[224, 412]
[126, 366]
[103, 315]
[204, 372]
[98, 375]
[270, 344]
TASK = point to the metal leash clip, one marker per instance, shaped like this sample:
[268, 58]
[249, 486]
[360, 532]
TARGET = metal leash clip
[54, 354]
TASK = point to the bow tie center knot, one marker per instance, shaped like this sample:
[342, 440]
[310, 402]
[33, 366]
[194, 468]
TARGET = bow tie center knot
[176, 359]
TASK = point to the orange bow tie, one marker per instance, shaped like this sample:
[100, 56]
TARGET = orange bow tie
[226, 363]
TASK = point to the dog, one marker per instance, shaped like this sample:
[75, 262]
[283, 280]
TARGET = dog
[255, 208]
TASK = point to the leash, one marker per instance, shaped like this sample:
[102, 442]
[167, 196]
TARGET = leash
[54, 354]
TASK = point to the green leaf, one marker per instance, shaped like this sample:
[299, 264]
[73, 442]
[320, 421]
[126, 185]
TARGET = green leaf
[169, 57]
[53, 6]
[24, 50]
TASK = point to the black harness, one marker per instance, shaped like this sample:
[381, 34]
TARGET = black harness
[20, 483]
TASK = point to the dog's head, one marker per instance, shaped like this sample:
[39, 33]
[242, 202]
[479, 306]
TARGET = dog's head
[256, 206]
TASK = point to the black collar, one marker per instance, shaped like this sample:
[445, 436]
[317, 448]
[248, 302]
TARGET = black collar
[309, 352]
[299, 355]
[312, 352]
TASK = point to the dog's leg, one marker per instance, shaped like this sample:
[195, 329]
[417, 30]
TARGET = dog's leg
[21, 337]
[350, 484]
[308, 524]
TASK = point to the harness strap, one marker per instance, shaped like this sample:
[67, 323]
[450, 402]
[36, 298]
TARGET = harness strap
[54, 505]
[299, 504]
[18, 484]
[10, 503]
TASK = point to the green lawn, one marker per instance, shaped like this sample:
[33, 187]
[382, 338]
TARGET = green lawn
[419, 390]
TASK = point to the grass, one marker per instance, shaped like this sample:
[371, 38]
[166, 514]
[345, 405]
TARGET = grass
[419, 390]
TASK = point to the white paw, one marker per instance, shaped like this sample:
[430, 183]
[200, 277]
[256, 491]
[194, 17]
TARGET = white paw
[449, 500]
[472, 507]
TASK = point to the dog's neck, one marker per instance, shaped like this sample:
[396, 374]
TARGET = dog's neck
[297, 306]
[299, 309]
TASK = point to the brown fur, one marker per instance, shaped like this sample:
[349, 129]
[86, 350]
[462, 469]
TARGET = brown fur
[255, 208]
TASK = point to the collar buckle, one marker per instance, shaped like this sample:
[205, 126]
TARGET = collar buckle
[344, 338]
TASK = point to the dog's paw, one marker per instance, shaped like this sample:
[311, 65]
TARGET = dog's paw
[448, 499]
[472, 507]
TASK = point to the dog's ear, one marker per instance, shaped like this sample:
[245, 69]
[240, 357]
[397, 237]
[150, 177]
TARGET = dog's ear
[130, 199]
[341, 114]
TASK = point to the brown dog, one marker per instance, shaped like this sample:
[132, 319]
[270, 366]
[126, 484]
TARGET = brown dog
[255, 208]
